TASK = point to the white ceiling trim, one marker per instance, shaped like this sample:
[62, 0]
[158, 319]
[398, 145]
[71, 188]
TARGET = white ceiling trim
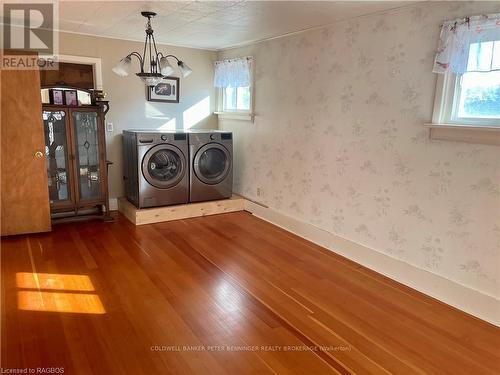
[130, 39]
[140, 41]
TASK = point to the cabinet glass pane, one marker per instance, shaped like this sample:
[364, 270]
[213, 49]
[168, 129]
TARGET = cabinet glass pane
[56, 152]
[87, 158]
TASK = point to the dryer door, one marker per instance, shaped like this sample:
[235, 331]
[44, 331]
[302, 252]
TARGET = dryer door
[212, 163]
[164, 166]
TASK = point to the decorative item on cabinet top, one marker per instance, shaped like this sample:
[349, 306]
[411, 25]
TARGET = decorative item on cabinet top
[73, 96]
[77, 168]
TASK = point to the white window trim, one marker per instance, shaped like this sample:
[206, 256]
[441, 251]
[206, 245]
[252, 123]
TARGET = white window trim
[244, 116]
[443, 127]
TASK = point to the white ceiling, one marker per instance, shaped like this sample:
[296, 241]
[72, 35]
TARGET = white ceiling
[209, 24]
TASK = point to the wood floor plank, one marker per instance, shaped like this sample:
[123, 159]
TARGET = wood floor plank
[171, 289]
[223, 288]
[433, 314]
[454, 359]
[353, 358]
[390, 323]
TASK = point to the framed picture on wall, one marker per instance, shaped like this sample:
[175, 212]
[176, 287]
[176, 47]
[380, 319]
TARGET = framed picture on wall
[166, 91]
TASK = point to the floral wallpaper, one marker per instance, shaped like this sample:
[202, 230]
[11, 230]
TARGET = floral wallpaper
[339, 142]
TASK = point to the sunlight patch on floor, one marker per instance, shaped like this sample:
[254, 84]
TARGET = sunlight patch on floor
[28, 280]
[60, 302]
[57, 293]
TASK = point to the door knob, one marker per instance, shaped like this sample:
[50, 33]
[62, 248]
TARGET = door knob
[38, 154]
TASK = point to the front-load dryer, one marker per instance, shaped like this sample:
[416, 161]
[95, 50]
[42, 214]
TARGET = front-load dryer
[156, 167]
[211, 165]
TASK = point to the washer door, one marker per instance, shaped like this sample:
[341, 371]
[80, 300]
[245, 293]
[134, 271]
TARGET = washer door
[212, 163]
[164, 166]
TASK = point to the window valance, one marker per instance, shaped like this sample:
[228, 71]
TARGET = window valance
[469, 44]
[233, 72]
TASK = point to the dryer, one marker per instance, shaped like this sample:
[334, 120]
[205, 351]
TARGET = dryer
[156, 167]
[211, 165]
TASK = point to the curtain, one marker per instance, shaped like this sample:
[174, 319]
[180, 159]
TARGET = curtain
[468, 44]
[233, 72]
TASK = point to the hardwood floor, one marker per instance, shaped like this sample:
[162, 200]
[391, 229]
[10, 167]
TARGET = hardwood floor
[224, 294]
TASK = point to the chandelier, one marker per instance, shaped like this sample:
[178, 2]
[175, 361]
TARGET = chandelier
[159, 66]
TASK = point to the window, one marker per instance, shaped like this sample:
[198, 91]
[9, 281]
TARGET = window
[233, 81]
[473, 97]
[236, 99]
[477, 97]
[467, 101]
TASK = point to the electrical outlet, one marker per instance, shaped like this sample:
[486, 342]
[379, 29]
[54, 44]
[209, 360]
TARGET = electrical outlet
[109, 126]
[259, 192]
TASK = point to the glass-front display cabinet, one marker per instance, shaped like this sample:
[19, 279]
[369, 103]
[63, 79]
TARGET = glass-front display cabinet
[75, 150]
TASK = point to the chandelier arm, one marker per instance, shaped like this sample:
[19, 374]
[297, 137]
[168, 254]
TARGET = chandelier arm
[141, 61]
[173, 57]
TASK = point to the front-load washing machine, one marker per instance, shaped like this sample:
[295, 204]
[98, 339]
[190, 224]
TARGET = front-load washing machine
[156, 167]
[211, 165]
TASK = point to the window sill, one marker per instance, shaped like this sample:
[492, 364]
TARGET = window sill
[235, 116]
[488, 135]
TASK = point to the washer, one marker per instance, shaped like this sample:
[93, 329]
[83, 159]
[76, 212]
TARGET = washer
[156, 167]
[211, 165]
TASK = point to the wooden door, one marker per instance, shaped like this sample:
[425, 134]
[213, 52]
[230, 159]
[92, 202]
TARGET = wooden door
[24, 191]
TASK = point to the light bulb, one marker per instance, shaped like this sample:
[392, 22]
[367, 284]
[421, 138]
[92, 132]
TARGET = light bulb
[123, 67]
[185, 70]
[165, 68]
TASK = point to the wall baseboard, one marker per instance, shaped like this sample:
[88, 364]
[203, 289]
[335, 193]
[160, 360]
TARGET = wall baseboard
[466, 299]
